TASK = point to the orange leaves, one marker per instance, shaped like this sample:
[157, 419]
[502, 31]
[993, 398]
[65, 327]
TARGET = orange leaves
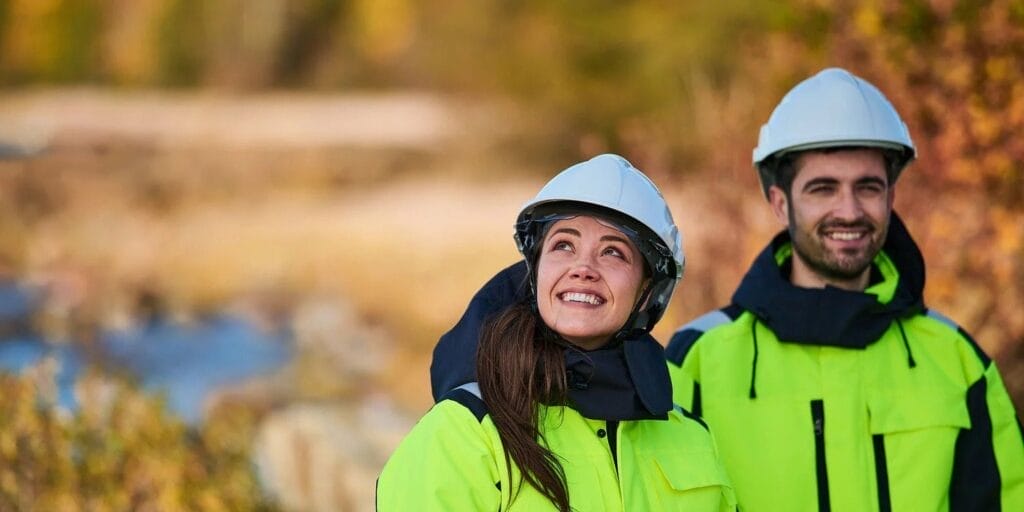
[959, 84]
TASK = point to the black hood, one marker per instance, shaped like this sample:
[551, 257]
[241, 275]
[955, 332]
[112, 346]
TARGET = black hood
[454, 362]
[832, 316]
[627, 380]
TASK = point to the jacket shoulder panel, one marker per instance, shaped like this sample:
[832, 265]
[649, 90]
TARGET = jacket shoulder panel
[686, 337]
[945, 320]
[692, 416]
[468, 395]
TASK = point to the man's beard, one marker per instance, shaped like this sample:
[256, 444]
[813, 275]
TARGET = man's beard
[830, 265]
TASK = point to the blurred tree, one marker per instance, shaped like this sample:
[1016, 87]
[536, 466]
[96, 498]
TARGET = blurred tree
[967, 116]
[620, 76]
[52, 40]
[129, 57]
[179, 36]
[311, 30]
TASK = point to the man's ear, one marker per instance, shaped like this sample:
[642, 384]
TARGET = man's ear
[779, 203]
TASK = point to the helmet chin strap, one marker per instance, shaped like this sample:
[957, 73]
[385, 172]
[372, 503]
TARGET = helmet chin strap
[637, 323]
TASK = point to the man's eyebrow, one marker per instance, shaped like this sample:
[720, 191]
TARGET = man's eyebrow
[873, 179]
[821, 180]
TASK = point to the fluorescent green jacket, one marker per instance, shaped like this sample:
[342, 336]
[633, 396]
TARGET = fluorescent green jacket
[452, 460]
[911, 417]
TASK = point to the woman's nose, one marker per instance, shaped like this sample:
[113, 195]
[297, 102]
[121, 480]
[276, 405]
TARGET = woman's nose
[584, 271]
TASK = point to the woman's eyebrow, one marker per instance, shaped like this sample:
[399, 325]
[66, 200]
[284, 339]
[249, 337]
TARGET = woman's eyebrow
[571, 231]
[614, 238]
[605, 238]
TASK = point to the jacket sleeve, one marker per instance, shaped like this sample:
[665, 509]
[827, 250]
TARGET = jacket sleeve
[445, 463]
[454, 362]
[988, 465]
[684, 368]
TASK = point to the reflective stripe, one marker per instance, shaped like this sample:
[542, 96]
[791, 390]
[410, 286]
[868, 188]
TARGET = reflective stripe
[469, 396]
[472, 387]
[707, 322]
[943, 318]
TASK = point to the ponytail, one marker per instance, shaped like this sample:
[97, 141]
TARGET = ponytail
[520, 364]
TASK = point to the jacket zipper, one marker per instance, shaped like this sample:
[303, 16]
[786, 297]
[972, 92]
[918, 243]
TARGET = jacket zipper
[818, 417]
[881, 474]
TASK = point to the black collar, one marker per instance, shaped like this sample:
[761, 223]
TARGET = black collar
[627, 381]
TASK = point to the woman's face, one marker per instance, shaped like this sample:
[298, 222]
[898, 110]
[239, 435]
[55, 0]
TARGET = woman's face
[589, 276]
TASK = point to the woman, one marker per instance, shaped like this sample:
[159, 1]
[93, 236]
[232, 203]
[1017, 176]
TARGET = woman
[572, 410]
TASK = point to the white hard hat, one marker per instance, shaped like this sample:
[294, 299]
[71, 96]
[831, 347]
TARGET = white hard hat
[608, 186]
[833, 108]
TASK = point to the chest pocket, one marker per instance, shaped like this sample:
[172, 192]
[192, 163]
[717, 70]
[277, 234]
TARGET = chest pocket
[908, 410]
[914, 433]
[695, 478]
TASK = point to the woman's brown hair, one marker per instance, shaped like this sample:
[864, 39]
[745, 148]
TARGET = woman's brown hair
[519, 365]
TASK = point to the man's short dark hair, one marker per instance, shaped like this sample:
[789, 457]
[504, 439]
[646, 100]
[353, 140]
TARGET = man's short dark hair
[785, 166]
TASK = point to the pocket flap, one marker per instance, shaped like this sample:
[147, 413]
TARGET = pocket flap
[685, 470]
[904, 410]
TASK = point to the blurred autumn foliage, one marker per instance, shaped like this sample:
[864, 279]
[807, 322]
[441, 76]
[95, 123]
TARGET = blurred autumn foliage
[123, 451]
[679, 87]
[956, 72]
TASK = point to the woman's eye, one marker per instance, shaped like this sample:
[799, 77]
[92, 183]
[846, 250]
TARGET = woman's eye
[562, 246]
[612, 251]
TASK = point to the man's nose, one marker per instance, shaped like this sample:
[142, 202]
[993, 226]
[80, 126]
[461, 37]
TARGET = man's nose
[848, 206]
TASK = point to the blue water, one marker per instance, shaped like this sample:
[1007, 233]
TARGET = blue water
[185, 363]
[21, 352]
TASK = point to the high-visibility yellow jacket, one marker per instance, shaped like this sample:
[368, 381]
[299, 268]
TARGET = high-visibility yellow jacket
[452, 460]
[835, 400]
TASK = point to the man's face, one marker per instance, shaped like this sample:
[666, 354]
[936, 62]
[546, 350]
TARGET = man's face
[837, 214]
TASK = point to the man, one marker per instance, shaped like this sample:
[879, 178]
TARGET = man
[827, 383]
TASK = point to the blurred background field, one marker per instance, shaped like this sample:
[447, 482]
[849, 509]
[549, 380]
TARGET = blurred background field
[231, 231]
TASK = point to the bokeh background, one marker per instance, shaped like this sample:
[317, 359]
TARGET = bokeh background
[231, 231]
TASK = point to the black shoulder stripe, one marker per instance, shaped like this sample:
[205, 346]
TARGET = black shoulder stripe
[693, 417]
[680, 345]
[985, 360]
[468, 400]
[976, 482]
[982, 356]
